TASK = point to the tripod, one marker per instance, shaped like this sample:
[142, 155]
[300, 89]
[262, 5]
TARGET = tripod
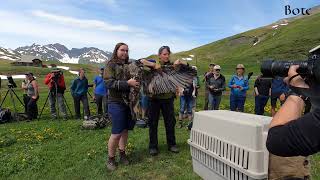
[12, 92]
[56, 102]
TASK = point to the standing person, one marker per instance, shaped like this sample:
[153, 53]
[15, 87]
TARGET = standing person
[165, 103]
[239, 86]
[279, 90]
[186, 100]
[33, 96]
[79, 90]
[57, 86]
[216, 85]
[25, 94]
[196, 86]
[119, 112]
[262, 91]
[144, 104]
[100, 93]
[207, 75]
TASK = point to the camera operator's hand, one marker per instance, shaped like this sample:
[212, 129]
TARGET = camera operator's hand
[296, 81]
[133, 83]
[282, 97]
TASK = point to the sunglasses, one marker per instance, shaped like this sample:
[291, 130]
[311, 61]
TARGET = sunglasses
[217, 69]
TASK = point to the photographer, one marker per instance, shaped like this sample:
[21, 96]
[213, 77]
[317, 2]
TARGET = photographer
[57, 86]
[33, 96]
[290, 134]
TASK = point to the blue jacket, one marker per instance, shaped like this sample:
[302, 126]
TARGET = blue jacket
[79, 87]
[278, 86]
[243, 82]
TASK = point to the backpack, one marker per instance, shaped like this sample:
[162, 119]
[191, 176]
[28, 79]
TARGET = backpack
[5, 115]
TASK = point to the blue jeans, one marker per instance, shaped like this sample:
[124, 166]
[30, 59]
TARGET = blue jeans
[186, 101]
[214, 102]
[237, 102]
[260, 103]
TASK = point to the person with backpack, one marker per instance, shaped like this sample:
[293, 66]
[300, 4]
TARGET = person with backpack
[216, 85]
[239, 86]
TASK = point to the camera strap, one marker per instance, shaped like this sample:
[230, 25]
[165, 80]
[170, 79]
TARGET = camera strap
[313, 93]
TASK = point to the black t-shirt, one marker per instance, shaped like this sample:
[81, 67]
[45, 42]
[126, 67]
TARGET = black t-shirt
[299, 137]
[263, 86]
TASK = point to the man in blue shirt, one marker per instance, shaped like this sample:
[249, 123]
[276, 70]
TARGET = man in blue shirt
[100, 92]
[239, 86]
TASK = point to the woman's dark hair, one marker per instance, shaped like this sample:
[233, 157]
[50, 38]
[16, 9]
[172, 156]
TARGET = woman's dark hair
[115, 54]
[163, 48]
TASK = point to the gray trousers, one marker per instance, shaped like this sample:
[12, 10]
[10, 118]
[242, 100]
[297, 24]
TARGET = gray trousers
[101, 102]
[62, 107]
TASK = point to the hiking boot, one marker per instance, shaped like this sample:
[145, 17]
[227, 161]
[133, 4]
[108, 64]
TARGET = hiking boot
[111, 164]
[123, 158]
[174, 149]
[53, 117]
[153, 151]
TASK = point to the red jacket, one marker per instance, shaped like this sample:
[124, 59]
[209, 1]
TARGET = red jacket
[60, 83]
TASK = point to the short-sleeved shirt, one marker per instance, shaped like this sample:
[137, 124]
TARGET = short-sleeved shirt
[263, 86]
[100, 86]
[299, 137]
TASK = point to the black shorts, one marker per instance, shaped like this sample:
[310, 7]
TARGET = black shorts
[274, 98]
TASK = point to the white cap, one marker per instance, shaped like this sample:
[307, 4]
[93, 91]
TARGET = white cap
[194, 67]
[216, 67]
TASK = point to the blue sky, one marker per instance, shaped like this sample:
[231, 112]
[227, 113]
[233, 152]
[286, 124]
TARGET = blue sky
[144, 24]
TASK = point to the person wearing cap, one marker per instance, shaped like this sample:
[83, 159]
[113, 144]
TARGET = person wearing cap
[33, 95]
[216, 85]
[79, 90]
[57, 86]
[100, 93]
[239, 86]
[206, 76]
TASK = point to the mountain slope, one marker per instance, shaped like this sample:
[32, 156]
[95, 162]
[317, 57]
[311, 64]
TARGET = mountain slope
[291, 39]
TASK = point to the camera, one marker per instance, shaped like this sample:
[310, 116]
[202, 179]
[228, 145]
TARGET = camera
[11, 83]
[308, 69]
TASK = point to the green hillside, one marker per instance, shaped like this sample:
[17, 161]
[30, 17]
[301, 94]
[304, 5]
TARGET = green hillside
[292, 41]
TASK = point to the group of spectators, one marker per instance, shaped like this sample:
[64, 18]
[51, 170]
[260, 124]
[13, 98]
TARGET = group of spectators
[57, 87]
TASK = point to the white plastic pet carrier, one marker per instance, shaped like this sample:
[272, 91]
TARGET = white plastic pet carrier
[228, 145]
